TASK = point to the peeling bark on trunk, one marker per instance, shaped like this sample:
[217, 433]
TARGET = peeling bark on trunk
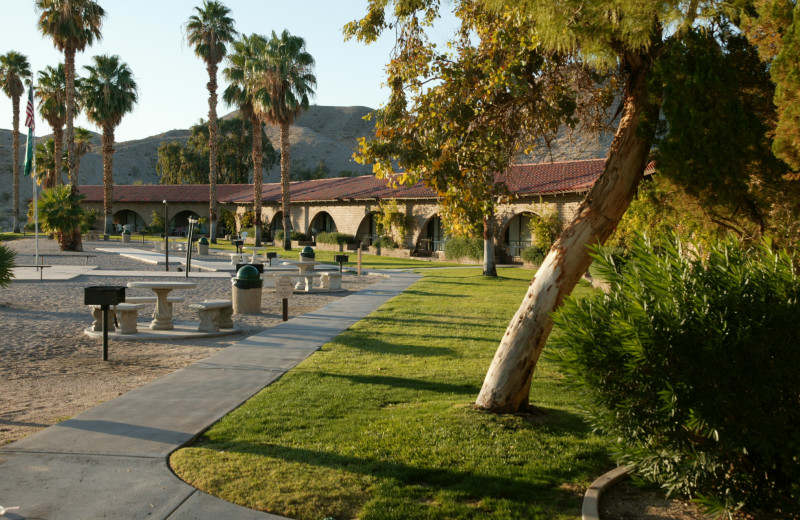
[258, 174]
[15, 161]
[287, 220]
[506, 387]
[212, 150]
[108, 176]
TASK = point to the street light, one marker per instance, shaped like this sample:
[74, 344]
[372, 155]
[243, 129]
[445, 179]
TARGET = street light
[166, 232]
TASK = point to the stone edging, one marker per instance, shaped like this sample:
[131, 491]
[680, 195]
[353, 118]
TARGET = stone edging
[591, 500]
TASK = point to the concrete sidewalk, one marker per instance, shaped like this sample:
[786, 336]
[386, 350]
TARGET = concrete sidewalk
[111, 461]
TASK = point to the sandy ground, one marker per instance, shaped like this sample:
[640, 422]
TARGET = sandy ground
[50, 370]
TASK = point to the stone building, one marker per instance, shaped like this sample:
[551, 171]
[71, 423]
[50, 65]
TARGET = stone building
[348, 205]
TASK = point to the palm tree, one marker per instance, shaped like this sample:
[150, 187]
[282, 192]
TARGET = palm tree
[14, 68]
[46, 162]
[72, 24]
[208, 31]
[60, 212]
[239, 74]
[283, 82]
[51, 90]
[109, 92]
[83, 145]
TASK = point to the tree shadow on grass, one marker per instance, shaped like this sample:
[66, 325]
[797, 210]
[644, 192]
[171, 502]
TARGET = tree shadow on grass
[379, 346]
[411, 384]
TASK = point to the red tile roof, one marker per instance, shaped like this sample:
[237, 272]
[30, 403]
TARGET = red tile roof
[521, 179]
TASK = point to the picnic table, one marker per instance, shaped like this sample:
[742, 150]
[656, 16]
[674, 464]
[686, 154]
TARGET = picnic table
[162, 316]
[255, 249]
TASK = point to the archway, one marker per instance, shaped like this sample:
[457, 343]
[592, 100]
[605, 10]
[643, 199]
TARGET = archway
[179, 224]
[368, 229]
[128, 219]
[322, 222]
[431, 237]
[517, 236]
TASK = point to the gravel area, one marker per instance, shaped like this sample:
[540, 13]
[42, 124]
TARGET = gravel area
[50, 370]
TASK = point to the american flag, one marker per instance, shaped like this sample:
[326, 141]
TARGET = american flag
[29, 121]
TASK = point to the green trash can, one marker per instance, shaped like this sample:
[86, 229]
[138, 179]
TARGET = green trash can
[247, 286]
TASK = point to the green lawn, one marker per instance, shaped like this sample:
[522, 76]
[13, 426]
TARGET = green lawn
[379, 423]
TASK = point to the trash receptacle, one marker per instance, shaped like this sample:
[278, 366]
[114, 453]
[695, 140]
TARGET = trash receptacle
[247, 287]
[307, 253]
[202, 246]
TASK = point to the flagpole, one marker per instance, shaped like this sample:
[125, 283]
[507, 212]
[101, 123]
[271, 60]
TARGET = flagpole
[35, 203]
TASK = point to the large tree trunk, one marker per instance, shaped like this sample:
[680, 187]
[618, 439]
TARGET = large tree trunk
[258, 174]
[108, 177]
[15, 161]
[69, 74]
[489, 265]
[58, 151]
[212, 150]
[287, 220]
[506, 387]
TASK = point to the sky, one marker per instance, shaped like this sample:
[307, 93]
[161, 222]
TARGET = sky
[149, 36]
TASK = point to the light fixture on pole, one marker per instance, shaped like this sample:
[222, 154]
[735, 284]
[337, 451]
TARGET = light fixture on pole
[166, 232]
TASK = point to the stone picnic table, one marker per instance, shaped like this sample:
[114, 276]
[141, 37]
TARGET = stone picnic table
[162, 316]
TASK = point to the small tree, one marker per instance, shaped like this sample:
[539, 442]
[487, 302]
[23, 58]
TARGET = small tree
[7, 257]
[60, 212]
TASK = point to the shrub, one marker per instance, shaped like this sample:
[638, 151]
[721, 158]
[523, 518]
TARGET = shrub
[60, 212]
[384, 242]
[692, 363]
[7, 261]
[534, 254]
[156, 223]
[463, 247]
[334, 238]
[278, 238]
[296, 235]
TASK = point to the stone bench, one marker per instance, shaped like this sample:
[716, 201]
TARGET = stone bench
[214, 315]
[128, 314]
[238, 258]
[97, 314]
[38, 266]
[331, 280]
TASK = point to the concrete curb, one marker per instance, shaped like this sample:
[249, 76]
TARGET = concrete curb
[591, 500]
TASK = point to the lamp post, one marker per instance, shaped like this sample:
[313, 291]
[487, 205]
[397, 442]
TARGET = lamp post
[166, 232]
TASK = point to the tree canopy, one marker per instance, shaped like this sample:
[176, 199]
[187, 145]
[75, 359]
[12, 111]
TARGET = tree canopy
[188, 163]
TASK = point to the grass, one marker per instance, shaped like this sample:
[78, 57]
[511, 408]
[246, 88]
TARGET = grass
[379, 423]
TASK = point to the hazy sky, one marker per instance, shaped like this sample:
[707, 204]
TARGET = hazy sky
[148, 35]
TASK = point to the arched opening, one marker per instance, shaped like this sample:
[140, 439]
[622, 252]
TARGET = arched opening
[276, 224]
[323, 222]
[516, 237]
[128, 219]
[432, 237]
[179, 224]
[368, 229]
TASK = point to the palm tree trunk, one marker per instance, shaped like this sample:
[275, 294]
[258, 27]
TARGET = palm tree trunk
[212, 150]
[15, 161]
[285, 164]
[506, 387]
[69, 73]
[58, 151]
[258, 174]
[108, 176]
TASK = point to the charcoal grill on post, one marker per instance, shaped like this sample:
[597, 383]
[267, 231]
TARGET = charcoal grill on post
[105, 296]
[341, 259]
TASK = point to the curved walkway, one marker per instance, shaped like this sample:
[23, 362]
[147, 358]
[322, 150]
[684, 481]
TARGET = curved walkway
[111, 461]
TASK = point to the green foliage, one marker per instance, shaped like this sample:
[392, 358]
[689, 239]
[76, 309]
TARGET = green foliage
[156, 222]
[294, 235]
[90, 218]
[7, 261]
[393, 223]
[300, 173]
[334, 238]
[60, 212]
[247, 219]
[188, 163]
[108, 92]
[691, 363]
[464, 247]
[534, 254]
[456, 118]
[278, 238]
[384, 242]
[545, 229]
[227, 219]
[714, 84]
